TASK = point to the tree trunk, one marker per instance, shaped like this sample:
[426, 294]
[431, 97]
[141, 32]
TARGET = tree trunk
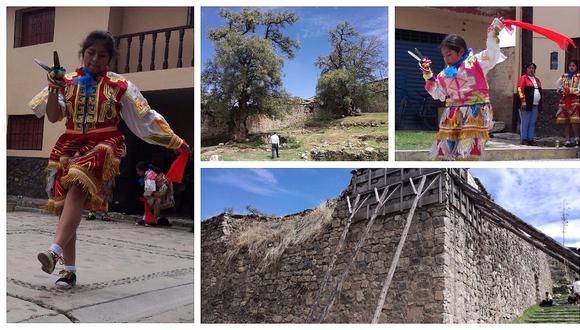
[238, 125]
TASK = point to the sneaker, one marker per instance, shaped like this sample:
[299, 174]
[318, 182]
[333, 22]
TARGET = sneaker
[568, 144]
[67, 280]
[106, 217]
[142, 223]
[48, 259]
[91, 216]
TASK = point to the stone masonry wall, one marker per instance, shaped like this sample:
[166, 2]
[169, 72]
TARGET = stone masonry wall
[213, 130]
[26, 176]
[502, 81]
[491, 274]
[456, 267]
[285, 292]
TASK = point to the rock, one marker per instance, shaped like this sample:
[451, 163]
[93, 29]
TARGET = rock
[214, 158]
[360, 296]
[498, 126]
[221, 144]
[277, 318]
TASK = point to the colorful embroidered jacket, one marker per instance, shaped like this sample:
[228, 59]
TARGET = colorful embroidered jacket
[571, 91]
[113, 98]
[469, 86]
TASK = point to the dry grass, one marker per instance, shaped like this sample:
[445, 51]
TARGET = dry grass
[266, 241]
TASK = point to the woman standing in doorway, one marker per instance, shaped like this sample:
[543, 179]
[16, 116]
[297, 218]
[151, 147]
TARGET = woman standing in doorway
[531, 99]
[86, 157]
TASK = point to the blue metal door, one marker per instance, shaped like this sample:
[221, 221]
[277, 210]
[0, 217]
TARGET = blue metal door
[411, 100]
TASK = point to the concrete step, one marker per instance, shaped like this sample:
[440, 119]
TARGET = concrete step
[504, 152]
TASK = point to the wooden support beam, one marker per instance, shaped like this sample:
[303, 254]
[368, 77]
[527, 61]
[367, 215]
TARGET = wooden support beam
[383, 295]
[384, 198]
[507, 220]
[337, 250]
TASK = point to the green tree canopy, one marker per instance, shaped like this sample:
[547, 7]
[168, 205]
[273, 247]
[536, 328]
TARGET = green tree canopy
[244, 76]
[346, 73]
[339, 90]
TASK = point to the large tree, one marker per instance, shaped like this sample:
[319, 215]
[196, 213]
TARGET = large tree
[346, 73]
[244, 76]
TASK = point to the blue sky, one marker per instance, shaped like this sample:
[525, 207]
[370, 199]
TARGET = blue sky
[275, 191]
[536, 196]
[300, 74]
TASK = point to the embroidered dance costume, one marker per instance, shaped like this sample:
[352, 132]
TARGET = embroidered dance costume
[159, 184]
[464, 125]
[569, 107]
[89, 152]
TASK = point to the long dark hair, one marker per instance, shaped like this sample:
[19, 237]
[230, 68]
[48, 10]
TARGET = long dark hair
[102, 37]
[454, 42]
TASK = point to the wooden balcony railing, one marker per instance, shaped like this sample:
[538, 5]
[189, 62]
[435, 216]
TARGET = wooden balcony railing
[125, 64]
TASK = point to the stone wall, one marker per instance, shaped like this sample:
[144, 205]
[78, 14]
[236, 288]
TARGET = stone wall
[238, 293]
[26, 176]
[502, 81]
[213, 132]
[456, 267]
[546, 123]
[491, 275]
[264, 124]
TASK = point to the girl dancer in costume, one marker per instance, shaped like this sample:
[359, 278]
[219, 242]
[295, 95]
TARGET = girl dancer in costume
[86, 157]
[569, 108]
[463, 128]
[158, 192]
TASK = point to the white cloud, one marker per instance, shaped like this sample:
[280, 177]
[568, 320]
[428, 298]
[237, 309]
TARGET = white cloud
[264, 175]
[554, 230]
[535, 195]
[256, 181]
[576, 245]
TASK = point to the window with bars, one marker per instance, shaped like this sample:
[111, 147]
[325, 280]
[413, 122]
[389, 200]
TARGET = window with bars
[554, 61]
[25, 132]
[33, 26]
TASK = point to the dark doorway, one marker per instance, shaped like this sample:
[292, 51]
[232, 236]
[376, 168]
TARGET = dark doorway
[176, 106]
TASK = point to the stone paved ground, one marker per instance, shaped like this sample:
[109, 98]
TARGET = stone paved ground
[126, 273]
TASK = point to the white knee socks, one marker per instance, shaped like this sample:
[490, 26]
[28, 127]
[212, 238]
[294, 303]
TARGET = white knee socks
[56, 248]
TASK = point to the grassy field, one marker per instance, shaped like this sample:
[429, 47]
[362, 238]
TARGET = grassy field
[414, 140]
[353, 134]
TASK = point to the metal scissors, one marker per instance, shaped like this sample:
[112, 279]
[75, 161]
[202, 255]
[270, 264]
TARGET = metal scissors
[46, 67]
[416, 55]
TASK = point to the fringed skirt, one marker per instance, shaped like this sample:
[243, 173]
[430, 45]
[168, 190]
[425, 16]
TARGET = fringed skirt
[463, 131]
[569, 110]
[90, 161]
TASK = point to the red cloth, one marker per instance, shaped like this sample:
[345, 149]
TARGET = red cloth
[149, 216]
[177, 169]
[556, 37]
